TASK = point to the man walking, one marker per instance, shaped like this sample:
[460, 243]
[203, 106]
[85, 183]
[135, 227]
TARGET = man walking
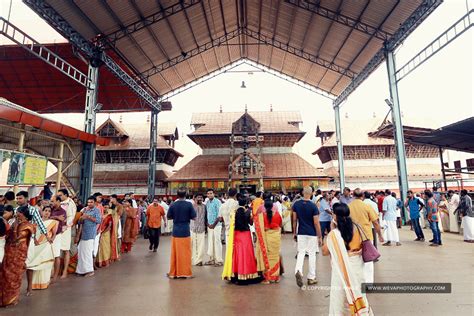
[68, 204]
[214, 243]
[181, 212]
[154, 214]
[389, 209]
[432, 217]
[364, 216]
[85, 250]
[308, 236]
[414, 207]
[198, 231]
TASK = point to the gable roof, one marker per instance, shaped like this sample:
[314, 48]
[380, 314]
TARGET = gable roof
[271, 122]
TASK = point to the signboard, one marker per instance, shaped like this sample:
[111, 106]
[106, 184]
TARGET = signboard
[26, 169]
[249, 138]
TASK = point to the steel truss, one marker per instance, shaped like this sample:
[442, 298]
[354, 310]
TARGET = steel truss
[341, 19]
[164, 13]
[453, 32]
[194, 52]
[91, 51]
[25, 41]
[418, 16]
[298, 52]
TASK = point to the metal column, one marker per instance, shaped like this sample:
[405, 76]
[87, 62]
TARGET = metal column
[397, 125]
[88, 151]
[445, 184]
[21, 146]
[340, 151]
[60, 166]
[152, 155]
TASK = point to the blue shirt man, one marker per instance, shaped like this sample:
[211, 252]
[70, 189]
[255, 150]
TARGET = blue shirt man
[212, 206]
[89, 228]
[324, 209]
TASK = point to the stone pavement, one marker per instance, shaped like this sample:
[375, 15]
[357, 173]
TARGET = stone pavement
[137, 286]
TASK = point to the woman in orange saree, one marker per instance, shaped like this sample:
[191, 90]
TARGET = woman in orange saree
[16, 250]
[130, 231]
[114, 234]
[268, 228]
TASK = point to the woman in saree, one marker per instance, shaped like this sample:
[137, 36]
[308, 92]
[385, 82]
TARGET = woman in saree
[444, 213]
[106, 241]
[115, 234]
[268, 229]
[42, 260]
[286, 215]
[130, 230]
[76, 231]
[240, 266]
[16, 251]
[344, 244]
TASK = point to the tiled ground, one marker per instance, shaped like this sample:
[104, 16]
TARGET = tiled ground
[137, 286]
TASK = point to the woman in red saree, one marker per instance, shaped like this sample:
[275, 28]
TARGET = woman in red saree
[106, 243]
[130, 230]
[16, 250]
[268, 224]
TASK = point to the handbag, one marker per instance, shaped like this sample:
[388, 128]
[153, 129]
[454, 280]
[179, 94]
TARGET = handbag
[146, 233]
[369, 252]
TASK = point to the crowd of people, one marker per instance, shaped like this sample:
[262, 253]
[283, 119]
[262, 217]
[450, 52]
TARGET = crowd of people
[58, 235]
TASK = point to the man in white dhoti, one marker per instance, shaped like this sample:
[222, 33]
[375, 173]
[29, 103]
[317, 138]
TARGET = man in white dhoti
[467, 213]
[389, 209]
[452, 206]
[68, 204]
[90, 219]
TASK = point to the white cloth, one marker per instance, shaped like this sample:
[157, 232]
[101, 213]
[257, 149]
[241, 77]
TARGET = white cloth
[197, 243]
[224, 211]
[392, 231]
[307, 245]
[2, 248]
[96, 244]
[85, 261]
[369, 271]
[287, 223]
[65, 244]
[214, 243]
[71, 209]
[468, 227]
[119, 230]
[452, 206]
[57, 245]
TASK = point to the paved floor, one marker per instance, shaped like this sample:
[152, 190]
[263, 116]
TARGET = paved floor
[137, 286]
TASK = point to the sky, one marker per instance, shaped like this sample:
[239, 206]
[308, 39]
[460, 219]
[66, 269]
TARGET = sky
[438, 93]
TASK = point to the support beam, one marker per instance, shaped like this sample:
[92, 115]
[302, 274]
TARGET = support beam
[60, 166]
[56, 21]
[152, 155]
[397, 125]
[21, 147]
[88, 152]
[191, 53]
[342, 19]
[299, 53]
[443, 170]
[149, 20]
[418, 16]
[340, 150]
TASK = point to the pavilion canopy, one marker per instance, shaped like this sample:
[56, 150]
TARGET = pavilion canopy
[168, 44]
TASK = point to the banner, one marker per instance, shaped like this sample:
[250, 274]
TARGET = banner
[26, 169]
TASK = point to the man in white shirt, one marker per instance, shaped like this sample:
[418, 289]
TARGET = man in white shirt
[389, 208]
[226, 209]
[68, 204]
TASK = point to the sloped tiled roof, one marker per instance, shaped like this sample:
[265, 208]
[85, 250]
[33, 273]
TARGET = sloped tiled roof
[125, 177]
[270, 122]
[277, 166]
[414, 171]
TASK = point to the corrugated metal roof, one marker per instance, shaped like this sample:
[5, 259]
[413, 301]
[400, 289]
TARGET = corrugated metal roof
[290, 35]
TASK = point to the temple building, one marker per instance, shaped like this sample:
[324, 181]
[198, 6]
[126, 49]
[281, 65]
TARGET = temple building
[247, 150]
[370, 157]
[122, 166]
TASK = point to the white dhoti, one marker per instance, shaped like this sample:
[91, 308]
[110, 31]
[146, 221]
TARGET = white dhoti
[214, 243]
[468, 228]
[57, 243]
[453, 221]
[392, 231]
[119, 230]
[85, 260]
[66, 239]
[197, 241]
[96, 244]
[2, 248]
[369, 271]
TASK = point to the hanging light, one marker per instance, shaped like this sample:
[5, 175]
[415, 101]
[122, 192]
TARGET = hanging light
[243, 85]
